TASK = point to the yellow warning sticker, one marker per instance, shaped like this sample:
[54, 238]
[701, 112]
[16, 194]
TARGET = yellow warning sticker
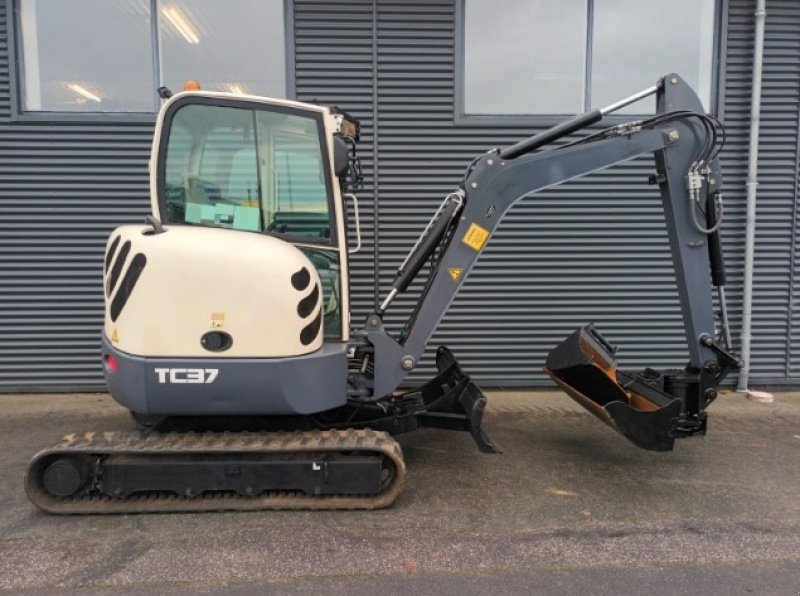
[475, 237]
[455, 273]
[114, 336]
[217, 320]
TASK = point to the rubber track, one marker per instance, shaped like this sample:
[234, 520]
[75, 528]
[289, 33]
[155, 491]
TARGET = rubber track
[365, 441]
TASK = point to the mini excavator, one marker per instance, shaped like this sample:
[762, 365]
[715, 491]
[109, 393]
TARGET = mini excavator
[232, 300]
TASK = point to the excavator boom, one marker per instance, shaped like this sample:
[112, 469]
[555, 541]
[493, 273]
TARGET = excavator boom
[651, 408]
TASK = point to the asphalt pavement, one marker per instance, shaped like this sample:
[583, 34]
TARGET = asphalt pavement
[568, 508]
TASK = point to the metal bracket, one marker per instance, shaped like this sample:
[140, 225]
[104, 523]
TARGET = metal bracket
[354, 198]
[724, 356]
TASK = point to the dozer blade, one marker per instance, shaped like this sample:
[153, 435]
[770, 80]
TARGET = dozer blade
[453, 402]
[583, 365]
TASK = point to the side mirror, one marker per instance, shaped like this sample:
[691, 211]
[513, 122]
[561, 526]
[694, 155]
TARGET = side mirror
[341, 157]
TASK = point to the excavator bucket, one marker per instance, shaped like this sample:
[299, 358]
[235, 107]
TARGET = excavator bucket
[583, 365]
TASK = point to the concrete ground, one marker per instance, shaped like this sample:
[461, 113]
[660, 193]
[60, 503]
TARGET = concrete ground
[569, 507]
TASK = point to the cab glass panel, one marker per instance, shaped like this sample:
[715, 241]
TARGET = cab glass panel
[246, 169]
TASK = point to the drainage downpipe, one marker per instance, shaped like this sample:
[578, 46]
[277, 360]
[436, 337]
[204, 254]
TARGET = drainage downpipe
[752, 184]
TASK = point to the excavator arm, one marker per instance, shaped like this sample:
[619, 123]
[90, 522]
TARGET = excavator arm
[651, 408]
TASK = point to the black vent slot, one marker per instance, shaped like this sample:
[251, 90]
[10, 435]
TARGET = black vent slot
[301, 279]
[117, 268]
[310, 331]
[110, 254]
[307, 304]
[127, 285]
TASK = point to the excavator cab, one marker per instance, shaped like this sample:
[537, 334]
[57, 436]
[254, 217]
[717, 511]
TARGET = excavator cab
[259, 166]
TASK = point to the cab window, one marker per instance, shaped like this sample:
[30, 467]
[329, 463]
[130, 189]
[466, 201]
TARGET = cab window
[246, 169]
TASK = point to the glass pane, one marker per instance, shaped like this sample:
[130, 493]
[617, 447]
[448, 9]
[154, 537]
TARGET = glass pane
[211, 169]
[296, 199]
[87, 56]
[236, 168]
[637, 41]
[236, 45]
[524, 57]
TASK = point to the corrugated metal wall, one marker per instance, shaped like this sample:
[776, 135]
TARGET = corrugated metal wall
[776, 231]
[63, 188]
[593, 250]
[775, 324]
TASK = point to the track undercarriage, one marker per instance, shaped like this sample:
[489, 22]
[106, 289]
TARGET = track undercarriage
[134, 472]
[344, 460]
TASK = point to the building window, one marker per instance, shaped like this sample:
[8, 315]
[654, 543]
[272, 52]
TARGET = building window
[236, 45]
[87, 55]
[567, 56]
[101, 56]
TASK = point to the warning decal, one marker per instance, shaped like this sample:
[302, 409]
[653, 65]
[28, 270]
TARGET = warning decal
[475, 237]
[115, 337]
[455, 273]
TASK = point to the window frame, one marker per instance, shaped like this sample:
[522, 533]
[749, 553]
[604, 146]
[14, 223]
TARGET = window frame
[461, 118]
[16, 62]
[330, 243]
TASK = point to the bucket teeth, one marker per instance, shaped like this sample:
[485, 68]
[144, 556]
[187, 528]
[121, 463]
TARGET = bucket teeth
[584, 367]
